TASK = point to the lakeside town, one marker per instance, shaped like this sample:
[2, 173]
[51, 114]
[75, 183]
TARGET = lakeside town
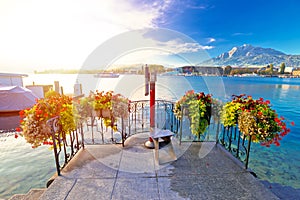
[269, 70]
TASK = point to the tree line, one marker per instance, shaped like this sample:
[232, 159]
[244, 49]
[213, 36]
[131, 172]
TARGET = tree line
[267, 70]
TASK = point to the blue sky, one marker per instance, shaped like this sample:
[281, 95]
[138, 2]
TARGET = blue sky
[228, 23]
[38, 35]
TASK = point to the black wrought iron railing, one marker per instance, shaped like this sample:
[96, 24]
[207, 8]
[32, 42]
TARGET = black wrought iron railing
[138, 121]
[65, 146]
[139, 116]
[233, 141]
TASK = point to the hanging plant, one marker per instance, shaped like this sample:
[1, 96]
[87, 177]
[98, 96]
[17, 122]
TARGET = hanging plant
[120, 106]
[197, 107]
[102, 100]
[110, 107]
[255, 119]
[83, 108]
[33, 120]
[216, 109]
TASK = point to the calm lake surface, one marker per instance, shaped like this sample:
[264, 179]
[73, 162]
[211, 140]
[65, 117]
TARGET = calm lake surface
[23, 168]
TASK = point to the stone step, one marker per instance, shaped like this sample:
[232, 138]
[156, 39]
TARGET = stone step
[17, 197]
[33, 194]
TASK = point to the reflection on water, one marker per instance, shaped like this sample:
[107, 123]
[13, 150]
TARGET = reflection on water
[22, 167]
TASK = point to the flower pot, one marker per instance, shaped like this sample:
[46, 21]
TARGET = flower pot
[96, 113]
[185, 111]
[106, 113]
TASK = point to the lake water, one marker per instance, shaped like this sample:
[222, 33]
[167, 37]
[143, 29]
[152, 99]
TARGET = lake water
[23, 168]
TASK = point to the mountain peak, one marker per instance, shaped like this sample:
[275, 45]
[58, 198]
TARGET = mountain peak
[246, 45]
[248, 51]
[253, 55]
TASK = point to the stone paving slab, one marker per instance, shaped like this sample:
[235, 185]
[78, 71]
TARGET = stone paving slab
[202, 171]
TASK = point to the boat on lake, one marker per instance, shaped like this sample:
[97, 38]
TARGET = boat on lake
[13, 100]
[107, 75]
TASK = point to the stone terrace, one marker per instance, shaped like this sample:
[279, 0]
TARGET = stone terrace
[201, 171]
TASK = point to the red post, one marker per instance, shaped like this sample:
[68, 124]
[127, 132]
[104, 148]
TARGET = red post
[152, 104]
[152, 110]
[152, 77]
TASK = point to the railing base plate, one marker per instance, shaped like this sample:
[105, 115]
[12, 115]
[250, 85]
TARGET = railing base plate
[148, 144]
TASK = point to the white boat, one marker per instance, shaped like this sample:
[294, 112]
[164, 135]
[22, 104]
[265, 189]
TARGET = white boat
[249, 75]
[107, 75]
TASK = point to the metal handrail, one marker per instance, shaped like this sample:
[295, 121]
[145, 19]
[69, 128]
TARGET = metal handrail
[66, 145]
[239, 146]
[70, 146]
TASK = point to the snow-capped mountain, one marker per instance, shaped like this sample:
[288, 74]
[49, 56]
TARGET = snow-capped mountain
[250, 55]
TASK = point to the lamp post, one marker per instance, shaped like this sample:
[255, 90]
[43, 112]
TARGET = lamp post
[150, 78]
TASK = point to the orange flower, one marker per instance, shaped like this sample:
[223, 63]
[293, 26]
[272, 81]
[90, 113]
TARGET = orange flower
[21, 113]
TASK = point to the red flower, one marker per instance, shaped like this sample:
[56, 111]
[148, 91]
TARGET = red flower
[293, 123]
[277, 143]
[38, 112]
[16, 136]
[18, 129]
[268, 102]
[21, 113]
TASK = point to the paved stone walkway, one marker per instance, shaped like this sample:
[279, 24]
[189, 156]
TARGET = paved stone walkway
[201, 171]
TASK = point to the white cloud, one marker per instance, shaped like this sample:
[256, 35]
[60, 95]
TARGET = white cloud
[210, 40]
[242, 34]
[175, 46]
[60, 34]
[207, 47]
[171, 52]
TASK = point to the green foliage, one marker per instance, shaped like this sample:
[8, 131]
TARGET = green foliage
[216, 109]
[227, 70]
[83, 109]
[70, 112]
[240, 71]
[255, 119]
[282, 68]
[34, 119]
[51, 93]
[102, 100]
[197, 107]
[230, 113]
[109, 106]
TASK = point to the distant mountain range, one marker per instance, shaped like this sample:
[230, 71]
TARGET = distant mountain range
[248, 55]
